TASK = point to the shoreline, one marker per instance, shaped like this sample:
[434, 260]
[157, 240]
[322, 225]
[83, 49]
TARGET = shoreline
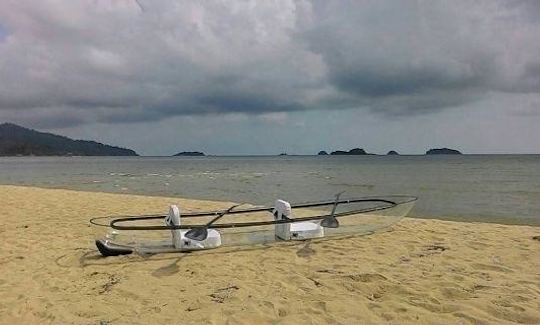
[419, 271]
[494, 220]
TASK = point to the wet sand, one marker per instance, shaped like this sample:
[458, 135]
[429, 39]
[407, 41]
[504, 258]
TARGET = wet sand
[420, 271]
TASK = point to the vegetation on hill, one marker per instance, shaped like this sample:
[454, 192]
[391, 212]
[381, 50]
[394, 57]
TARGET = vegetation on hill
[16, 140]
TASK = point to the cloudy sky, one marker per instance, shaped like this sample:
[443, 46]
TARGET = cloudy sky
[264, 77]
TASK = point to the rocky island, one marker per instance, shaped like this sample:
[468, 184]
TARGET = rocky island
[392, 153]
[322, 153]
[442, 151]
[16, 140]
[352, 152]
[189, 154]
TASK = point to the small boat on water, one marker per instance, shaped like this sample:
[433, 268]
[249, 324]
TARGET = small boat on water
[235, 226]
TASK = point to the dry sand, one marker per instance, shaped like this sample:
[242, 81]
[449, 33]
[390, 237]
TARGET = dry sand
[421, 271]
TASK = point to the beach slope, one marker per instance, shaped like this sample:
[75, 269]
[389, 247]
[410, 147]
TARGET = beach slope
[420, 271]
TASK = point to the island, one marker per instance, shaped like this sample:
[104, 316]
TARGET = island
[442, 151]
[190, 154]
[16, 140]
[353, 152]
[322, 153]
[392, 153]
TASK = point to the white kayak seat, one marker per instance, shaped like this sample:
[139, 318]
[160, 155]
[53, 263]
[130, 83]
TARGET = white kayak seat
[173, 219]
[183, 243]
[294, 230]
[212, 241]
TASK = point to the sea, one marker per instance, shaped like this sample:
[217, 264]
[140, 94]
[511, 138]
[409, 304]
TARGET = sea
[485, 188]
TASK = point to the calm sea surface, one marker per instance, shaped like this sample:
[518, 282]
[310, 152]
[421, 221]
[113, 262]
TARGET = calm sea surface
[490, 188]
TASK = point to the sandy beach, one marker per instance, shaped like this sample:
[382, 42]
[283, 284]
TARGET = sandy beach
[418, 272]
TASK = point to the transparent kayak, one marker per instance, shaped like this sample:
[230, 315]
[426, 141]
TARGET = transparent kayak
[150, 234]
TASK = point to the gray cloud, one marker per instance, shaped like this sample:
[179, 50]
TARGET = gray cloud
[132, 61]
[408, 56]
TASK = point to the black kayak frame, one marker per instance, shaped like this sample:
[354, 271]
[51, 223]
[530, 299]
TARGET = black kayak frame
[115, 223]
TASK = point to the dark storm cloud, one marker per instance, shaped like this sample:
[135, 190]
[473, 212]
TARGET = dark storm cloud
[406, 57]
[373, 82]
[246, 103]
[134, 61]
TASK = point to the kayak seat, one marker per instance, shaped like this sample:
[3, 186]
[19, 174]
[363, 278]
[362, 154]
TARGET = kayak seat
[305, 230]
[212, 241]
[180, 241]
[294, 230]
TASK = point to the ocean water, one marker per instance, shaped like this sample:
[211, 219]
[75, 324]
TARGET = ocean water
[487, 188]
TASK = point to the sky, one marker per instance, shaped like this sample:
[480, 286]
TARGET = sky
[265, 77]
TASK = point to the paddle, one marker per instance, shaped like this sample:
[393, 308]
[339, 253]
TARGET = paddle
[201, 233]
[330, 221]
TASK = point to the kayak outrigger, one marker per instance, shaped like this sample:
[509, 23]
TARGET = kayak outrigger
[147, 233]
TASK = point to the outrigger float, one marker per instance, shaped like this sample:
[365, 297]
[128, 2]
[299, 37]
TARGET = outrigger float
[149, 234]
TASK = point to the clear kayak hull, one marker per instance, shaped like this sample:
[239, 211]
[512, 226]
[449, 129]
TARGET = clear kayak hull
[251, 226]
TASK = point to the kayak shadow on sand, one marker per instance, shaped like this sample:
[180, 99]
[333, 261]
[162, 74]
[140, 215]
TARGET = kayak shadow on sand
[83, 257]
[169, 269]
[306, 251]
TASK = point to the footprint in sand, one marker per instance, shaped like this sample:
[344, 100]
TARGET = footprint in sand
[222, 294]
[488, 267]
[367, 277]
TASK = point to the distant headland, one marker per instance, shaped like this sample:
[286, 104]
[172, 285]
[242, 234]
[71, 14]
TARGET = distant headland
[190, 154]
[443, 151]
[16, 140]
